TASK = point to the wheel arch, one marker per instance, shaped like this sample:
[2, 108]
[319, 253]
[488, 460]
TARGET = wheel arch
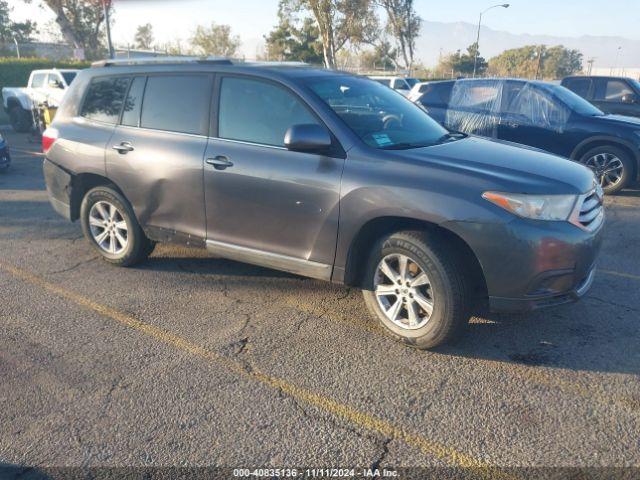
[603, 140]
[82, 183]
[373, 230]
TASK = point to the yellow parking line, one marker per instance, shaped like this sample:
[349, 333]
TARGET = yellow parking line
[620, 274]
[447, 454]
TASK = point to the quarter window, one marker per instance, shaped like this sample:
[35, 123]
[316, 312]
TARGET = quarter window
[258, 112]
[177, 103]
[104, 99]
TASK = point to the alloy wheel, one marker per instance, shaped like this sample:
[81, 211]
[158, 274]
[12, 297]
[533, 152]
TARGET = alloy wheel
[108, 227]
[607, 167]
[403, 291]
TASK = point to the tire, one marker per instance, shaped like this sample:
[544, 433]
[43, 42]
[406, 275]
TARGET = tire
[598, 158]
[448, 288]
[97, 204]
[20, 119]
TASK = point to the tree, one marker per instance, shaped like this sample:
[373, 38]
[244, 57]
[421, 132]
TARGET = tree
[144, 36]
[81, 23]
[383, 56]
[537, 61]
[403, 24]
[462, 63]
[10, 30]
[291, 43]
[215, 40]
[339, 22]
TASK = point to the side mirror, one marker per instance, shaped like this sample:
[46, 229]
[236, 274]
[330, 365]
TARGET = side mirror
[56, 84]
[307, 138]
[630, 98]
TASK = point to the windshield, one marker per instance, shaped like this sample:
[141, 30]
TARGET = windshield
[635, 83]
[68, 77]
[575, 102]
[382, 118]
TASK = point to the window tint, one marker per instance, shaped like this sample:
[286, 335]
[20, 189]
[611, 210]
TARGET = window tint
[68, 77]
[177, 103]
[436, 94]
[38, 80]
[104, 99]
[131, 111]
[580, 86]
[401, 85]
[258, 112]
[615, 90]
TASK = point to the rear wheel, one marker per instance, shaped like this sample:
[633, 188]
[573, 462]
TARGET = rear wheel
[416, 287]
[611, 165]
[20, 119]
[112, 229]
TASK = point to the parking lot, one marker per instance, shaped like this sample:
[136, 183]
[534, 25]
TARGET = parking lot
[190, 360]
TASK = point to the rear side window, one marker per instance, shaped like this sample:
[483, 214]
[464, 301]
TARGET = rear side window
[104, 99]
[177, 103]
[436, 95]
[131, 111]
[258, 112]
[38, 80]
[581, 86]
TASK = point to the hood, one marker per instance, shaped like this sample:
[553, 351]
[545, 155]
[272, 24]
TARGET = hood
[507, 166]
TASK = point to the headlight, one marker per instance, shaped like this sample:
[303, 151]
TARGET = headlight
[537, 207]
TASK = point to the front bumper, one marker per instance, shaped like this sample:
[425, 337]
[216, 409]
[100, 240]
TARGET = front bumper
[529, 264]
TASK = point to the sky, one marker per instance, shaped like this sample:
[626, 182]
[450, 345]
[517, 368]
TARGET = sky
[251, 19]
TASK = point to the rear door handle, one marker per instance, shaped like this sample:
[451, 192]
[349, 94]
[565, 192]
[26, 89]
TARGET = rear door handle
[123, 148]
[220, 162]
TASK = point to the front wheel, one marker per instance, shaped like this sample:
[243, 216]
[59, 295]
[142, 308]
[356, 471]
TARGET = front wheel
[112, 229]
[415, 286]
[611, 165]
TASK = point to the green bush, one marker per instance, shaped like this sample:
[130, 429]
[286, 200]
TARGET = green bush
[14, 72]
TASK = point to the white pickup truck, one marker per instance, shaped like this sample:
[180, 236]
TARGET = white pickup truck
[44, 85]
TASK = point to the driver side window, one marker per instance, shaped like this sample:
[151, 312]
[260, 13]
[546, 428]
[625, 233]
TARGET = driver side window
[537, 108]
[258, 112]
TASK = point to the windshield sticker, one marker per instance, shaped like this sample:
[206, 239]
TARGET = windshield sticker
[382, 139]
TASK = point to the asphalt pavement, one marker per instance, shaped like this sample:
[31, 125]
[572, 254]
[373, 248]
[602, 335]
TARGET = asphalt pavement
[189, 360]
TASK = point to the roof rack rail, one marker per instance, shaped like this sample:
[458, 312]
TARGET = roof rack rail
[162, 61]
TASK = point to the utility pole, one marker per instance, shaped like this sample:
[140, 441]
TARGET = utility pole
[590, 63]
[107, 22]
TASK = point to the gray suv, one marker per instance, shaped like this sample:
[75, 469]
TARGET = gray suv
[326, 175]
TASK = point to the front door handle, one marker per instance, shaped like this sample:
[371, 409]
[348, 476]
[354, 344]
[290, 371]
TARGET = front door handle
[220, 162]
[123, 148]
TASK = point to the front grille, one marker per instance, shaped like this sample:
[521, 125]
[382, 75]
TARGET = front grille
[591, 212]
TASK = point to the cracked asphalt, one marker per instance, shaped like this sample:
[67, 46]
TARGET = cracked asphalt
[190, 360]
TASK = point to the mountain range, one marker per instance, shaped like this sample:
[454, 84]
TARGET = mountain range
[442, 38]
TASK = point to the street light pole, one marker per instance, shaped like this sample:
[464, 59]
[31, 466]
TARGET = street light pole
[615, 65]
[475, 60]
[15, 40]
[107, 22]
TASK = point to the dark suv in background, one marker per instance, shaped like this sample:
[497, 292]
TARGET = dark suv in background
[617, 95]
[541, 115]
[325, 175]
